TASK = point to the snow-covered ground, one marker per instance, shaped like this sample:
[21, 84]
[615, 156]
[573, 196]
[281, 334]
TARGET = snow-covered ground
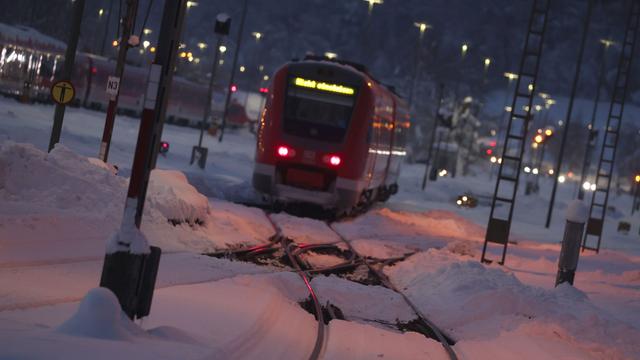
[57, 211]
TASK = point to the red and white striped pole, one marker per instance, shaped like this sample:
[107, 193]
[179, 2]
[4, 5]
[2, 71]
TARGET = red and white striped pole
[131, 265]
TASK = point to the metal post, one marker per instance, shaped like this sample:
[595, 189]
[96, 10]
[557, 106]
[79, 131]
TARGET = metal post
[207, 108]
[233, 70]
[166, 55]
[416, 69]
[67, 70]
[588, 151]
[106, 29]
[634, 201]
[433, 136]
[570, 251]
[574, 88]
[130, 266]
[128, 24]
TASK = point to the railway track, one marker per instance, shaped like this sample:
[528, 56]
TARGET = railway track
[292, 252]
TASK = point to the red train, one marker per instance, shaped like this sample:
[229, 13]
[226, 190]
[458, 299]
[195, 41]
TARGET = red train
[331, 135]
[30, 61]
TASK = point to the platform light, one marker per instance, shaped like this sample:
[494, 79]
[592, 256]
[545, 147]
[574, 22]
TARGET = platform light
[561, 179]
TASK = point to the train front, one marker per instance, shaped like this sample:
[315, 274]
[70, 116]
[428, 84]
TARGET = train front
[312, 135]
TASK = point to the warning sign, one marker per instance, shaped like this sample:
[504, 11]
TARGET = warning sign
[113, 86]
[63, 92]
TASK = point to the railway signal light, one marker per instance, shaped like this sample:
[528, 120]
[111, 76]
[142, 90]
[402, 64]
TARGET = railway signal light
[264, 90]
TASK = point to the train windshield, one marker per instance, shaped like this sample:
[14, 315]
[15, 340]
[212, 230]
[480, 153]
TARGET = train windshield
[318, 110]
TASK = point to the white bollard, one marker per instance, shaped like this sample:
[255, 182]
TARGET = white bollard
[576, 216]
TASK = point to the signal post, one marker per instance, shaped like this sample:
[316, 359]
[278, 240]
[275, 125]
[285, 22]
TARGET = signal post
[131, 265]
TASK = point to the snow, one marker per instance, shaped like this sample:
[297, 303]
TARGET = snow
[58, 210]
[577, 212]
[99, 316]
[471, 302]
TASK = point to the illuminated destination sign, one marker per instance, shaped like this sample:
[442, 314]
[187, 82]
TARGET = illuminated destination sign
[335, 88]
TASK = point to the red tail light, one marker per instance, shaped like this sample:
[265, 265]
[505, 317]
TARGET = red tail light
[284, 151]
[333, 160]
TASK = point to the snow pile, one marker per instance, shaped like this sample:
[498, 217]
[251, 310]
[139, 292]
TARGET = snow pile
[99, 316]
[60, 180]
[305, 230]
[386, 233]
[172, 195]
[231, 226]
[362, 302]
[475, 302]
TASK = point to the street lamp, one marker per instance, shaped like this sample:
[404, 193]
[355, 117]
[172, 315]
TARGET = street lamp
[257, 35]
[328, 55]
[487, 63]
[100, 12]
[222, 49]
[202, 46]
[422, 26]
[147, 31]
[372, 3]
[191, 4]
[464, 48]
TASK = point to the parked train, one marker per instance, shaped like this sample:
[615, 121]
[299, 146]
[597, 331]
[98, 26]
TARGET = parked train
[331, 135]
[30, 62]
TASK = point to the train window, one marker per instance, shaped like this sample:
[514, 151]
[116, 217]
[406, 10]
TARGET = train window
[317, 114]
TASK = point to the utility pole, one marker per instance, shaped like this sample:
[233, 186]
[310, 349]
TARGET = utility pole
[233, 70]
[433, 135]
[593, 133]
[128, 23]
[422, 27]
[223, 24]
[574, 88]
[67, 70]
[130, 265]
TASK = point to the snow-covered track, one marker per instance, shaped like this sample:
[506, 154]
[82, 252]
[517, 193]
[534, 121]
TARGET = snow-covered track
[384, 280]
[287, 245]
